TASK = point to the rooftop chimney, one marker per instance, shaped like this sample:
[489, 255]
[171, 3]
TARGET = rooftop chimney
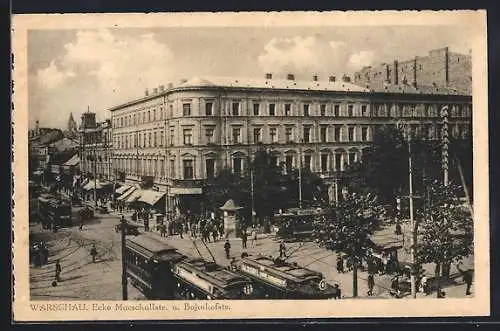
[183, 80]
[290, 77]
[269, 76]
[170, 85]
[346, 79]
[315, 78]
[332, 78]
[155, 90]
[146, 92]
[162, 88]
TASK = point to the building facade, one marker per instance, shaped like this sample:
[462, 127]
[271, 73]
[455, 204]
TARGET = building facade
[182, 135]
[95, 148]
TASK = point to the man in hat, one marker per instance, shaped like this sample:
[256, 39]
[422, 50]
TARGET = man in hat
[371, 284]
[58, 271]
[227, 248]
[93, 252]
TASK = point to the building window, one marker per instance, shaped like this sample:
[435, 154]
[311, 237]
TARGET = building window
[306, 109]
[149, 116]
[288, 134]
[322, 110]
[236, 108]
[210, 168]
[257, 135]
[149, 140]
[172, 168]
[324, 162]
[307, 162]
[154, 139]
[273, 132]
[188, 136]
[121, 121]
[186, 109]
[236, 135]
[162, 137]
[352, 157]
[209, 109]
[144, 117]
[364, 134]
[307, 134]
[350, 133]
[322, 133]
[288, 109]
[188, 169]
[237, 166]
[336, 110]
[134, 120]
[338, 161]
[256, 109]
[272, 109]
[171, 111]
[289, 164]
[350, 110]
[209, 133]
[154, 114]
[364, 111]
[172, 137]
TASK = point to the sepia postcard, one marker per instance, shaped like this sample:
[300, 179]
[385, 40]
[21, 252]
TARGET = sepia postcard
[173, 166]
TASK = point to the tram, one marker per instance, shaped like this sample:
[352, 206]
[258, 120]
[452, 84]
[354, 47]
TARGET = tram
[148, 263]
[160, 272]
[197, 279]
[53, 211]
[297, 224]
[277, 279]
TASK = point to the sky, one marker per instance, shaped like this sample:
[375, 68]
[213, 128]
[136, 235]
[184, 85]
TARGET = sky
[70, 71]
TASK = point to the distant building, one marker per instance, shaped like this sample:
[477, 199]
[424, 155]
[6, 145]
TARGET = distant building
[95, 147]
[441, 68]
[182, 135]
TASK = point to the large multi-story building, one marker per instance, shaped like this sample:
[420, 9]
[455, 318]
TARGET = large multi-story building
[184, 134]
[95, 148]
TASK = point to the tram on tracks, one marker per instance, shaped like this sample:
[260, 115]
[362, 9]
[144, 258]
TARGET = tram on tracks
[278, 279]
[297, 224]
[53, 211]
[160, 272]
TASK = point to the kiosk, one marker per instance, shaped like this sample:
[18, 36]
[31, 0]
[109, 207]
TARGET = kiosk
[231, 218]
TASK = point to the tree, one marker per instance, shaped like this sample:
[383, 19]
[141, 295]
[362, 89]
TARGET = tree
[445, 229]
[348, 228]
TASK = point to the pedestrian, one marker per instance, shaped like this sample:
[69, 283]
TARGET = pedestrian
[45, 253]
[58, 271]
[395, 286]
[254, 237]
[338, 292]
[146, 224]
[214, 234]
[371, 284]
[424, 285]
[227, 248]
[81, 222]
[282, 250]
[163, 230]
[93, 253]
[466, 277]
[244, 239]
[340, 264]
[181, 228]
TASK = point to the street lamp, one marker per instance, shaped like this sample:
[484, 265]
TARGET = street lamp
[406, 130]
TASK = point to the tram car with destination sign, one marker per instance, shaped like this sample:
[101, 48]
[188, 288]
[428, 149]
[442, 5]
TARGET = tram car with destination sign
[160, 272]
[197, 279]
[277, 279]
[149, 263]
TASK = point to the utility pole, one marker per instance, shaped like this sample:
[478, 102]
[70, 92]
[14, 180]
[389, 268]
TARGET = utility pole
[252, 196]
[124, 263]
[95, 170]
[300, 176]
[444, 115]
[412, 223]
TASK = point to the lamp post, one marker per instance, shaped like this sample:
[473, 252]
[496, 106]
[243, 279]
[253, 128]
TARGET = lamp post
[300, 174]
[402, 125]
[124, 262]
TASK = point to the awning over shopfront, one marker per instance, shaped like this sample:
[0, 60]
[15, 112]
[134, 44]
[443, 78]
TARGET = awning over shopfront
[136, 194]
[97, 185]
[185, 190]
[74, 161]
[122, 189]
[126, 194]
[151, 197]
